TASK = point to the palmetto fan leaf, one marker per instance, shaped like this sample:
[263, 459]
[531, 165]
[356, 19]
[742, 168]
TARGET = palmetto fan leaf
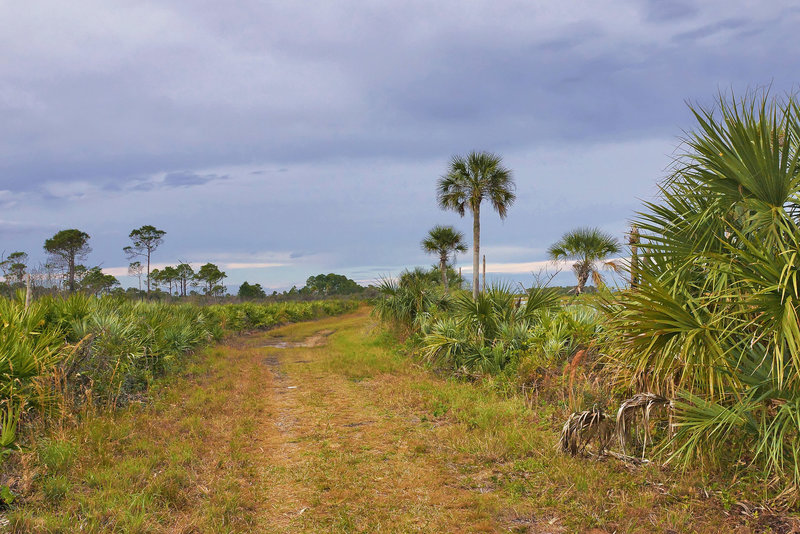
[747, 149]
[472, 179]
[443, 241]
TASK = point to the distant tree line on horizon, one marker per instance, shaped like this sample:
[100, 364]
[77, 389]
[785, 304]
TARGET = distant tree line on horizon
[63, 271]
[319, 286]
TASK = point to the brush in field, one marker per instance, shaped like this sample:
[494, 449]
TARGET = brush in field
[638, 409]
[584, 427]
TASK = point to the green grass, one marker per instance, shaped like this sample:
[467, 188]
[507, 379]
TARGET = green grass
[480, 427]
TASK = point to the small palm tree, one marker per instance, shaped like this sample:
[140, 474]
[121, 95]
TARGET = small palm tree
[470, 180]
[443, 240]
[588, 247]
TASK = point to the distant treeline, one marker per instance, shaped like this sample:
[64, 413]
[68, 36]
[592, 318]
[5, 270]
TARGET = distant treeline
[62, 272]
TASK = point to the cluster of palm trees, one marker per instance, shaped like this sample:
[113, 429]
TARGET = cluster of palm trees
[468, 182]
[485, 331]
[481, 176]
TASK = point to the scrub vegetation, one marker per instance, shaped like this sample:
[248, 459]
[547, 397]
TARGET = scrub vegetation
[693, 364]
[61, 358]
[269, 433]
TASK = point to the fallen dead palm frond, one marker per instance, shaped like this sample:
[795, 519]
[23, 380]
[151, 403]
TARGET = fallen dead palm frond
[638, 409]
[584, 427]
[581, 428]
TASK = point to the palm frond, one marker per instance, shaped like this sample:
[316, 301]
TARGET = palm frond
[638, 409]
[582, 428]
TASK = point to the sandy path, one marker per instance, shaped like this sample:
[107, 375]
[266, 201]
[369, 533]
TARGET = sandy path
[335, 459]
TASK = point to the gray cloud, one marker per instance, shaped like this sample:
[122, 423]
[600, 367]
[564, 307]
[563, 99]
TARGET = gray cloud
[187, 179]
[346, 82]
[327, 132]
[668, 10]
[709, 30]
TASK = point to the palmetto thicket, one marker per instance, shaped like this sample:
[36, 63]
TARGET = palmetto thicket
[410, 299]
[485, 334]
[444, 241]
[589, 247]
[714, 322]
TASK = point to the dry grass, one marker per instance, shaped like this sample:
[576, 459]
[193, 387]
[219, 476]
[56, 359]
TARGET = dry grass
[350, 436]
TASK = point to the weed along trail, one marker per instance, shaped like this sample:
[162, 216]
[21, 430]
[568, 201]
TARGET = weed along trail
[300, 429]
[324, 426]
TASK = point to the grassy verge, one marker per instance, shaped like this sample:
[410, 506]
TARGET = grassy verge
[180, 464]
[351, 436]
[502, 448]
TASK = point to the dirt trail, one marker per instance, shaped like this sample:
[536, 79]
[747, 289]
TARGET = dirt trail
[334, 459]
[316, 340]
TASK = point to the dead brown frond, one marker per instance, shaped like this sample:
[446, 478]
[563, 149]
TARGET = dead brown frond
[584, 427]
[637, 410]
[614, 265]
[787, 499]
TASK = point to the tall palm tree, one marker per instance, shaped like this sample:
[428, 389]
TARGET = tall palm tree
[469, 181]
[443, 240]
[588, 247]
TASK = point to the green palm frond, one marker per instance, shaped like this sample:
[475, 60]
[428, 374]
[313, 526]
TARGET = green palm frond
[444, 240]
[584, 244]
[588, 247]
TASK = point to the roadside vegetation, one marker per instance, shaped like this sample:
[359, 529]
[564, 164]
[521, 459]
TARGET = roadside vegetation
[668, 403]
[346, 436]
[694, 363]
[63, 357]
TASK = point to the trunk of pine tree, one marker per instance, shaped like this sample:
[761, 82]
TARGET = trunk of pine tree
[71, 269]
[148, 273]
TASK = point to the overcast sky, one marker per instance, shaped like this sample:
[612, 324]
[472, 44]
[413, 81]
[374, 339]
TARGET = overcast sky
[284, 139]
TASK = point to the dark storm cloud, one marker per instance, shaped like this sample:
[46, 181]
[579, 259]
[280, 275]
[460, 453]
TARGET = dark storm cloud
[354, 82]
[324, 129]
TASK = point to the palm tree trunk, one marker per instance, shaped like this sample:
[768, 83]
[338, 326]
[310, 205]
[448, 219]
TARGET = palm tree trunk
[583, 276]
[443, 268]
[476, 250]
[634, 243]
